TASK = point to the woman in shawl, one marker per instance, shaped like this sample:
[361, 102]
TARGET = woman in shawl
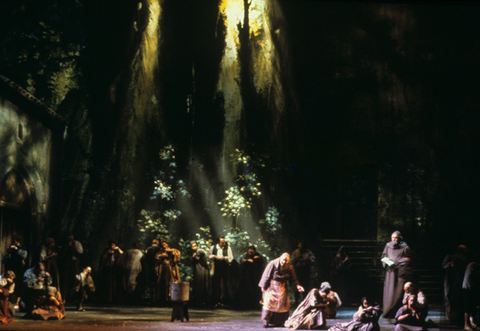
[313, 311]
[365, 319]
[111, 271]
[392, 256]
[50, 306]
[201, 276]
[411, 317]
[341, 272]
[276, 305]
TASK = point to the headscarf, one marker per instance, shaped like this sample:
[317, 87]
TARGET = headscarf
[325, 287]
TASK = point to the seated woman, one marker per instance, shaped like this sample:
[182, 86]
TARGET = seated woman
[50, 306]
[365, 319]
[6, 285]
[411, 317]
[311, 313]
[409, 289]
[7, 282]
[332, 298]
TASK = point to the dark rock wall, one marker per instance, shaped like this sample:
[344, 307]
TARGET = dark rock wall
[379, 129]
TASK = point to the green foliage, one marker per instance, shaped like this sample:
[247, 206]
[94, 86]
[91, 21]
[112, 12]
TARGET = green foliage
[166, 186]
[239, 198]
[152, 225]
[237, 239]
[238, 201]
[204, 241]
[185, 266]
[271, 229]
[41, 45]
[155, 223]
[235, 202]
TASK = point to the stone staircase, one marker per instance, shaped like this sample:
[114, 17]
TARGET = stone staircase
[368, 273]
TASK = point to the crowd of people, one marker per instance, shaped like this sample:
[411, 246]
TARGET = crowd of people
[57, 275]
[40, 290]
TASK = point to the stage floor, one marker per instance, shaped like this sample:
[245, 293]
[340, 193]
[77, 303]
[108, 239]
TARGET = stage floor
[120, 318]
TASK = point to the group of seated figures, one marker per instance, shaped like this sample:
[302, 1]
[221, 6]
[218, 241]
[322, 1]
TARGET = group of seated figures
[42, 300]
[320, 305]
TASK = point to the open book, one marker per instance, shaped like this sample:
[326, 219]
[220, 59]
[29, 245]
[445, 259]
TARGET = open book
[387, 261]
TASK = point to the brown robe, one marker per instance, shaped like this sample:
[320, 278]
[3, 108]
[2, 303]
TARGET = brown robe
[166, 269]
[393, 286]
[276, 304]
[50, 308]
[5, 316]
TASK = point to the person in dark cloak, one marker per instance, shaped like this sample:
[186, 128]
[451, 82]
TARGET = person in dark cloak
[70, 255]
[248, 294]
[365, 319]
[406, 270]
[470, 289]
[276, 304]
[455, 265]
[201, 275]
[111, 272]
[392, 254]
[148, 261]
[302, 261]
[410, 317]
[341, 272]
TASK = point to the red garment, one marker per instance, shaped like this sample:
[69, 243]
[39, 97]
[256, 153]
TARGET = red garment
[50, 308]
[5, 316]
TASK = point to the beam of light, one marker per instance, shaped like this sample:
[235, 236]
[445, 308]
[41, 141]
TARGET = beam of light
[264, 18]
[232, 12]
[265, 62]
[145, 63]
[142, 105]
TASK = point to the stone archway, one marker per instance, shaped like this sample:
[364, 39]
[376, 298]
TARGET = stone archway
[18, 210]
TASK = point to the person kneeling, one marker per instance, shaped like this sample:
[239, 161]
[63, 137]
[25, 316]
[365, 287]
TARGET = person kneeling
[365, 319]
[50, 306]
[313, 311]
[410, 317]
